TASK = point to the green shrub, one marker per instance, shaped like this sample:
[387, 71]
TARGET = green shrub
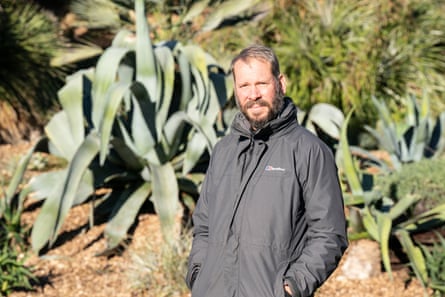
[423, 179]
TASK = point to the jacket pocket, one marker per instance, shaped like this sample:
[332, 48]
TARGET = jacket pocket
[279, 282]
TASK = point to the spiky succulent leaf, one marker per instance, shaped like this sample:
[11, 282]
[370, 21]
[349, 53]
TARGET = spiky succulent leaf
[105, 75]
[124, 213]
[165, 199]
[326, 117]
[19, 172]
[348, 165]
[417, 260]
[115, 96]
[71, 97]
[231, 8]
[384, 223]
[426, 220]
[166, 62]
[56, 207]
[42, 186]
[195, 148]
[403, 205]
[195, 10]
[146, 65]
[58, 131]
[370, 224]
[436, 144]
[143, 130]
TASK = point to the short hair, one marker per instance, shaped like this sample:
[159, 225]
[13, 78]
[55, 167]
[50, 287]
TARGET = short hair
[260, 52]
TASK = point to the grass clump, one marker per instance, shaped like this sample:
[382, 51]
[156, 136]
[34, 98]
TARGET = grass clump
[435, 263]
[160, 269]
[14, 273]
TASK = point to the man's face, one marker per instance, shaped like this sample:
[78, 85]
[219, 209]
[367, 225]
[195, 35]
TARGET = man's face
[258, 93]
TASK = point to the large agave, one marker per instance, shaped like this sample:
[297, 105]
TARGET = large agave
[139, 125]
[410, 141]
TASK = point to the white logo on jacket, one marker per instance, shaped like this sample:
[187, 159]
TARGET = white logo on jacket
[271, 168]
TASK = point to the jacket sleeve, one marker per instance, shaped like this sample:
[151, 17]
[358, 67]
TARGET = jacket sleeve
[200, 236]
[326, 237]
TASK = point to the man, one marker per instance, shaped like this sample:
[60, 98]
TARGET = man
[270, 220]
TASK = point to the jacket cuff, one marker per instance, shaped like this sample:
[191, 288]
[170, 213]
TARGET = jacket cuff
[192, 274]
[293, 286]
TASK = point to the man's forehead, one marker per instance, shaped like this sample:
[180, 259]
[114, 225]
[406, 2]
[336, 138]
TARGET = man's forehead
[250, 60]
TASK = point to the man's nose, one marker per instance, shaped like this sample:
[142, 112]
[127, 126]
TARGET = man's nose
[254, 93]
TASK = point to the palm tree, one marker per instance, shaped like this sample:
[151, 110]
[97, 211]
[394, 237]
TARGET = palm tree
[28, 82]
[343, 52]
[324, 49]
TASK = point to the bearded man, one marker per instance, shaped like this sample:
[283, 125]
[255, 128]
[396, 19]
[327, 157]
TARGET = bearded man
[270, 219]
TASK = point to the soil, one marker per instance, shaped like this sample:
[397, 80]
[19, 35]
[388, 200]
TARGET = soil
[71, 267]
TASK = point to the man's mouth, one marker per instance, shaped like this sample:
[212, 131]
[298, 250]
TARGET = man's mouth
[256, 104]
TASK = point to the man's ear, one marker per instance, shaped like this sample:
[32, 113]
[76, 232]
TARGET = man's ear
[283, 83]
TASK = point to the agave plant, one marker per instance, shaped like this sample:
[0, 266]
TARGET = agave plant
[225, 12]
[13, 234]
[384, 218]
[170, 20]
[416, 138]
[324, 120]
[139, 125]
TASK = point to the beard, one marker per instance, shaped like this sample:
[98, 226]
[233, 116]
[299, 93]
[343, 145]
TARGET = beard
[274, 109]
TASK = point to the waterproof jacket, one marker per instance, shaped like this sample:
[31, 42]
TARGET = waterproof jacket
[270, 210]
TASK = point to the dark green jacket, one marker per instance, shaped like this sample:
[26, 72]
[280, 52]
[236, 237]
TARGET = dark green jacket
[270, 210]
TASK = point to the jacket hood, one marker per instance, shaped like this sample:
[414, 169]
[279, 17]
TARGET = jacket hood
[286, 117]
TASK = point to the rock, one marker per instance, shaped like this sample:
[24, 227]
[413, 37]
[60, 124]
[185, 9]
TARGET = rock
[361, 261]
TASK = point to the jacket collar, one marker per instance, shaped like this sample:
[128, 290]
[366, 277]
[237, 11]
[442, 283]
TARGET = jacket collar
[286, 117]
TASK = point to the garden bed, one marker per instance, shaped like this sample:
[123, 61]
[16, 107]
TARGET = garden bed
[71, 267]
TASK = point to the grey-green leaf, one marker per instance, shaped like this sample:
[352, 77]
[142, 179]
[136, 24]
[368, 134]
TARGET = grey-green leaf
[122, 219]
[56, 207]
